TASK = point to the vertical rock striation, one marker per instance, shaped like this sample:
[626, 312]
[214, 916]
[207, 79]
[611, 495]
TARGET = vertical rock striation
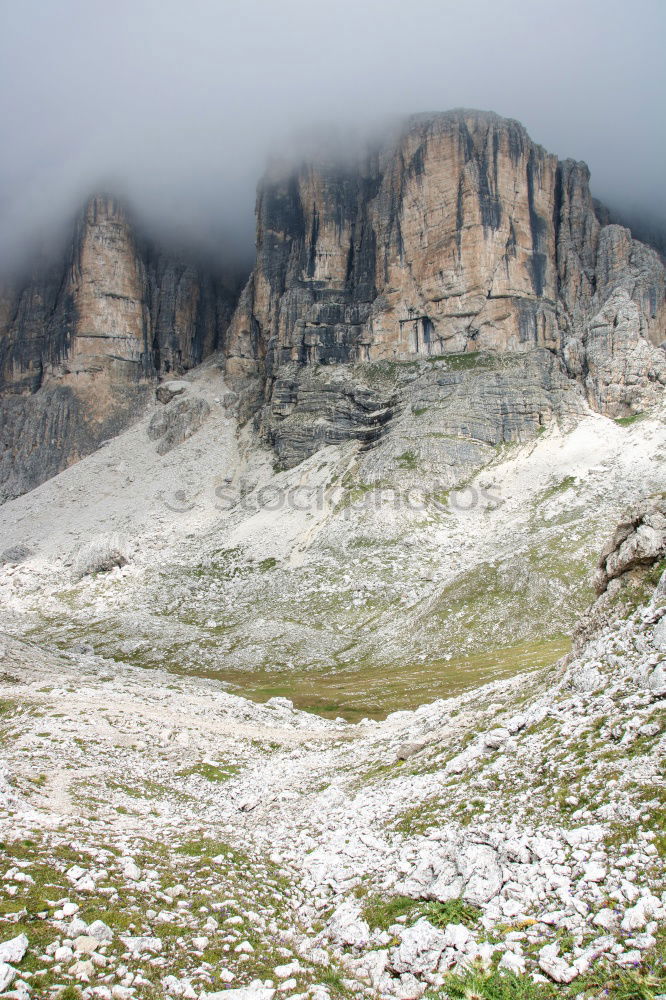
[82, 341]
[459, 235]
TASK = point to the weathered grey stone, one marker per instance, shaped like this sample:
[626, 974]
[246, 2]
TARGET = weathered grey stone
[7, 976]
[640, 542]
[468, 870]
[100, 931]
[408, 750]
[178, 421]
[419, 950]
[15, 554]
[101, 555]
[449, 415]
[555, 967]
[142, 945]
[347, 927]
[168, 390]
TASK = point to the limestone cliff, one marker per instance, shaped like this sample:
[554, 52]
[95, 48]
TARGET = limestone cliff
[459, 235]
[82, 341]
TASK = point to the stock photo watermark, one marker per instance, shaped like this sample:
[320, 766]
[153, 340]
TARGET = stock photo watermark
[307, 499]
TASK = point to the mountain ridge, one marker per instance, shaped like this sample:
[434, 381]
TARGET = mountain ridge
[458, 234]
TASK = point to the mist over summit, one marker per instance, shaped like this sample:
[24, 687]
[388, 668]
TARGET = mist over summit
[178, 109]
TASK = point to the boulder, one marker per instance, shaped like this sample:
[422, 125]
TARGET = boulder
[420, 949]
[637, 543]
[12, 951]
[177, 422]
[100, 555]
[100, 931]
[142, 945]
[347, 927]
[15, 554]
[168, 390]
[555, 967]
[456, 869]
[7, 976]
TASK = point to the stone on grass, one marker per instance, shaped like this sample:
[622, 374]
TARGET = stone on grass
[85, 944]
[12, 951]
[347, 927]
[286, 971]
[140, 945]
[555, 967]
[7, 976]
[513, 963]
[457, 936]
[420, 948]
[100, 931]
[606, 919]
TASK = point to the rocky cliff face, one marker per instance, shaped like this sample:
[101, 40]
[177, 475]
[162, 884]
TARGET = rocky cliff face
[82, 341]
[459, 235]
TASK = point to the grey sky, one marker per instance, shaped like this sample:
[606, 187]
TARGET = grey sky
[177, 105]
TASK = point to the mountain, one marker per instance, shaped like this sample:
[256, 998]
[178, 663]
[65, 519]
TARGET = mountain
[441, 382]
[338, 672]
[458, 235]
[83, 340]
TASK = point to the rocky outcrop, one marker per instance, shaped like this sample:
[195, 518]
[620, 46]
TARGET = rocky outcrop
[440, 418]
[631, 569]
[180, 418]
[82, 341]
[459, 235]
[637, 544]
[314, 407]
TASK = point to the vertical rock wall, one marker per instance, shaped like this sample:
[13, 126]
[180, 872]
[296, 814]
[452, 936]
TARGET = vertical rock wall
[82, 341]
[460, 235]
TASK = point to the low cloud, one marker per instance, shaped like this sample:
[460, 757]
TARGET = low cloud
[177, 106]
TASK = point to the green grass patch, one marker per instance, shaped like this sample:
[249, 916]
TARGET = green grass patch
[494, 986]
[332, 978]
[354, 492]
[561, 487]
[380, 911]
[211, 772]
[631, 419]
[407, 460]
[453, 911]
